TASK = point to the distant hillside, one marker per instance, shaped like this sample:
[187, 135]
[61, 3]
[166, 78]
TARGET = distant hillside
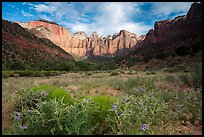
[23, 50]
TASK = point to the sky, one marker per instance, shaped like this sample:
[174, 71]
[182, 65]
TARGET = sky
[106, 18]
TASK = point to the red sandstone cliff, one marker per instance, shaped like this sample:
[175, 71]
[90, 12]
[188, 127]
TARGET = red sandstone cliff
[79, 43]
[169, 32]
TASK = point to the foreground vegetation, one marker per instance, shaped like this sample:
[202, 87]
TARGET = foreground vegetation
[126, 102]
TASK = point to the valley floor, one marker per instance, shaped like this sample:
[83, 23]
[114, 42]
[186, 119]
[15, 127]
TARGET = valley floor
[91, 83]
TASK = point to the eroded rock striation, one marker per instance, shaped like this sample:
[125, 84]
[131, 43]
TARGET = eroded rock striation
[79, 43]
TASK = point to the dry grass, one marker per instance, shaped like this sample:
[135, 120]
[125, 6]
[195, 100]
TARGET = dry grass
[95, 84]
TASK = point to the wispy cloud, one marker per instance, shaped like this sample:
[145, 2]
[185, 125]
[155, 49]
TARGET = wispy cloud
[167, 8]
[12, 6]
[27, 3]
[45, 17]
[26, 14]
[104, 18]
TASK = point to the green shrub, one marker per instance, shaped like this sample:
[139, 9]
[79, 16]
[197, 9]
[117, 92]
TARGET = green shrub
[197, 74]
[54, 117]
[170, 78]
[89, 73]
[185, 78]
[98, 113]
[150, 73]
[6, 74]
[114, 73]
[55, 92]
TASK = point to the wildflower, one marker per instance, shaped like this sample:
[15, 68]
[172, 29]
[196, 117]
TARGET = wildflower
[141, 89]
[114, 107]
[121, 114]
[144, 126]
[45, 94]
[18, 113]
[140, 105]
[17, 118]
[182, 107]
[123, 101]
[23, 127]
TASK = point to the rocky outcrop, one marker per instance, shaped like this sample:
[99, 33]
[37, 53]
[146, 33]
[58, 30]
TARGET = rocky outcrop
[169, 32]
[79, 43]
[194, 20]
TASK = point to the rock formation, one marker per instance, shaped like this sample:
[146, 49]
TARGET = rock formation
[22, 47]
[79, 43]
[169, 32]
[166, 32]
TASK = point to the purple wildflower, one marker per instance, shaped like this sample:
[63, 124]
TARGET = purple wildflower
[121, 114]
[140, 105]
[144, 126]
[182, 107]
[23, 127]
[114, 107]
[123, 101]
[17, 118]
[18, 113]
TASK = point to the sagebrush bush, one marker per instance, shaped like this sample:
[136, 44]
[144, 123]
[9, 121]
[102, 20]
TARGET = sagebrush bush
[197, 74]
[185, 78]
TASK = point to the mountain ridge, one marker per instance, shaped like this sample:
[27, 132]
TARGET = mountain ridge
[166, 33]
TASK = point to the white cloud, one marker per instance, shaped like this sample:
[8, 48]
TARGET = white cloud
[26, 14]
[45, 17]
[166, 8]
[12, 6]
[24, 3]
[104, 18]
[113, 17]
[43, 8]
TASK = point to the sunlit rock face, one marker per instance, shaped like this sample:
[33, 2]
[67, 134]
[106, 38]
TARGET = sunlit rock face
[79, 43]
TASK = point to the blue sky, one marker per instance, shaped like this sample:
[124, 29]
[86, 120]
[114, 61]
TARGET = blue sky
[103, 17]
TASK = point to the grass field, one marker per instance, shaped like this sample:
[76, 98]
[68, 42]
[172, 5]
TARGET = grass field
[102, 102]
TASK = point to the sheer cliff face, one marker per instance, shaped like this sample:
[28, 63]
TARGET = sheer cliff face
[166, 32]
[182, 27]
[79, 43]
[115, 45]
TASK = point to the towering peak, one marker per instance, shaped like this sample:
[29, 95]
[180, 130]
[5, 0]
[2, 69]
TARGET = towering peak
[80, 35]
